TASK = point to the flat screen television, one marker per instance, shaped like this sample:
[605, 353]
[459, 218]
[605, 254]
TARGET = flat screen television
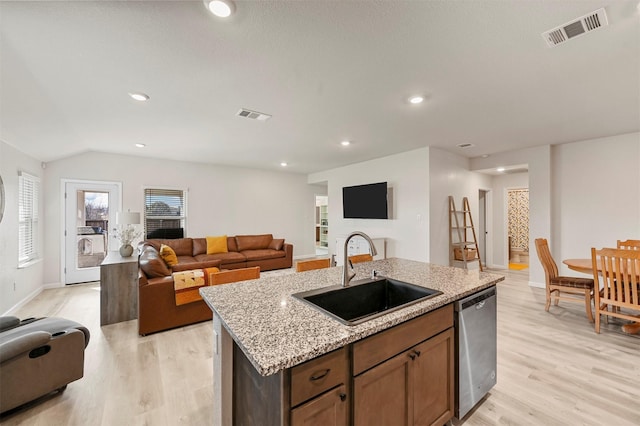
[365, 201]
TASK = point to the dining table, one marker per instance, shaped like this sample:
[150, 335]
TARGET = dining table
[586, 267]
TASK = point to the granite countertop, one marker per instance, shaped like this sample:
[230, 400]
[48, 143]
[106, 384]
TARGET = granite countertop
[277, 331]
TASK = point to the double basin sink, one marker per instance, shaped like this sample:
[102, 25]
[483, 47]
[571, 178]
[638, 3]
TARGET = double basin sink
[365, 299]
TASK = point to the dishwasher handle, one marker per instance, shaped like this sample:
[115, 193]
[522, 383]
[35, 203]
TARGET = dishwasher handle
[476, 298]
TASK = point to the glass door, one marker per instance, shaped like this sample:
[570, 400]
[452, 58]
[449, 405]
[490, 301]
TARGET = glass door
[89, 218]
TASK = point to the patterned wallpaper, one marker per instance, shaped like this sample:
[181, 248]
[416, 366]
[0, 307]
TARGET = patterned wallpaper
[518, 214]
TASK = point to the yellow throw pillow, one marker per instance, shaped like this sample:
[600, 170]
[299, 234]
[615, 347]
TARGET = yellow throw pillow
[217, 244]
[168, 255]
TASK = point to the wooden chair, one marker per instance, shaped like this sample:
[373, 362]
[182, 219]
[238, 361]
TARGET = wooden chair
[629, 244]
[620, 275]
[308, 265]
[358, 258]
[233, 275]
[563, 285]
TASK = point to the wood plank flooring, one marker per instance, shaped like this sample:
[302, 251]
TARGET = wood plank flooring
[553, 369]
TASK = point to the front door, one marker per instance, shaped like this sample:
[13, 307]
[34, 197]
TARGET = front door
[90, 212]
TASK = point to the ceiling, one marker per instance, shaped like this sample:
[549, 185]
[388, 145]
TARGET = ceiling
[325, 70]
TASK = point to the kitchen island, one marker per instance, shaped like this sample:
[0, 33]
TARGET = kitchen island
[263, 332]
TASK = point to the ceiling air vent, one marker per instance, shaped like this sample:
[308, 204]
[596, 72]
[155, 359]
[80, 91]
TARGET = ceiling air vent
[465, 145]
[578, 27]
[254, 115]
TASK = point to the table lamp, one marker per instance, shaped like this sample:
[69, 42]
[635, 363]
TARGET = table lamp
[126, 232]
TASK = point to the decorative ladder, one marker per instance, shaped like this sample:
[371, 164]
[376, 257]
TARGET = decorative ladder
[459, 233]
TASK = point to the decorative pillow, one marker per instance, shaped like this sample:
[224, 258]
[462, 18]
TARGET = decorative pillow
[152, 264]
[168, 255]
[217, 244]
[276, 244]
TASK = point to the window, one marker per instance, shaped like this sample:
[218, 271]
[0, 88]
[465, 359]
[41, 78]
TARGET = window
[164, 213]
[28, 193]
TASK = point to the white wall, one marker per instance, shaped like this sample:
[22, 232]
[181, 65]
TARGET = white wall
[221, 200]
[16, 285]
[449, 175]
[596, 195]
[407, 174]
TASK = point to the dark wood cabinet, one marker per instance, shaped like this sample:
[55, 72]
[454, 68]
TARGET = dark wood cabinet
[401, 376]
[433, 380]
[382, 394]
[414, 387]
[329, 409]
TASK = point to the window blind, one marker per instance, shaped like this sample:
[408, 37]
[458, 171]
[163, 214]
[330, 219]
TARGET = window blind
[28, 196]
[164, 212]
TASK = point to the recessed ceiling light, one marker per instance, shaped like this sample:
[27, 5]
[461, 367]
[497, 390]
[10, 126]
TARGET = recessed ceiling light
[283, 164]
[345, 143]
[417, 99]
[140, 145]
[500, 169]
[139, 96]
[485, 156]
[220, 8]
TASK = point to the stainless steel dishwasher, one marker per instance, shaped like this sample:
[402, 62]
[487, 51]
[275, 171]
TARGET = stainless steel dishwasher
[476, 349]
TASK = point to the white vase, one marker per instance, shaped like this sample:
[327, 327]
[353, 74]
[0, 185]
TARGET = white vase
[126, 250]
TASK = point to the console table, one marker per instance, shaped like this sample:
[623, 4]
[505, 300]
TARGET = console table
[118, 288]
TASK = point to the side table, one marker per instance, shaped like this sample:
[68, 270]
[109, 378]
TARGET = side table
[118, 288]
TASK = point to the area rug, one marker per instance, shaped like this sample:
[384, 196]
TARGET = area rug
[518, 266]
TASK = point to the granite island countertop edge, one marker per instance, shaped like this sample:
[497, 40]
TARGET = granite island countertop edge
[282, 332]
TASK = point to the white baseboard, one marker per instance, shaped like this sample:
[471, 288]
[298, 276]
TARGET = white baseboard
[537, 285]
[24, 301]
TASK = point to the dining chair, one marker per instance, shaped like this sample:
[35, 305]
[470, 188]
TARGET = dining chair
[629, 244]
[565, 288]
[234, 275]
[620, 288]
[359, 258]
[308, 265]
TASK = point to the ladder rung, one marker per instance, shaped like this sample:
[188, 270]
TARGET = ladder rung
[461, 227]
[464, 243]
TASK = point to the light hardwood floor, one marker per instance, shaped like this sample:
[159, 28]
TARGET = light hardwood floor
[553, 369]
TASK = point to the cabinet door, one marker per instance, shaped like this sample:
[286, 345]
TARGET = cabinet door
[328, 409]
[382, 395]
[433, 380]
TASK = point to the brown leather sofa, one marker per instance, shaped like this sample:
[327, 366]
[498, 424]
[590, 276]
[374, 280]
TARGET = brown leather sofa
[157, 309]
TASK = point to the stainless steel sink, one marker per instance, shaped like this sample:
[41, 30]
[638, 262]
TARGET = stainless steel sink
[366, 299]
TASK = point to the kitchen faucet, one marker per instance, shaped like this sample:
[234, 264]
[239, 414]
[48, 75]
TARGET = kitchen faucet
[348, 275]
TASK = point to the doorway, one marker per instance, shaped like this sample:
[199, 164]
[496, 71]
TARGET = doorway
[482, 225]
[89, 217]
[322, 225]
[518, 228]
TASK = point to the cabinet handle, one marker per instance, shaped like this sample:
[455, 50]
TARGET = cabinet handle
[320, 376]
[343, 396]
[412, 356]
[416, 352]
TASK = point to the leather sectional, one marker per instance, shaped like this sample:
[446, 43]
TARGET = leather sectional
[157, 310]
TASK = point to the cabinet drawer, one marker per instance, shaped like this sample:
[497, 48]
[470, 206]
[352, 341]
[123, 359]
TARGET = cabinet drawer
[319, 375]
[386, 344]
[330, 409]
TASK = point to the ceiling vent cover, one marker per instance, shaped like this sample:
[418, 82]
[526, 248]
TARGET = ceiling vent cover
[578, 27]
[254, 115]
